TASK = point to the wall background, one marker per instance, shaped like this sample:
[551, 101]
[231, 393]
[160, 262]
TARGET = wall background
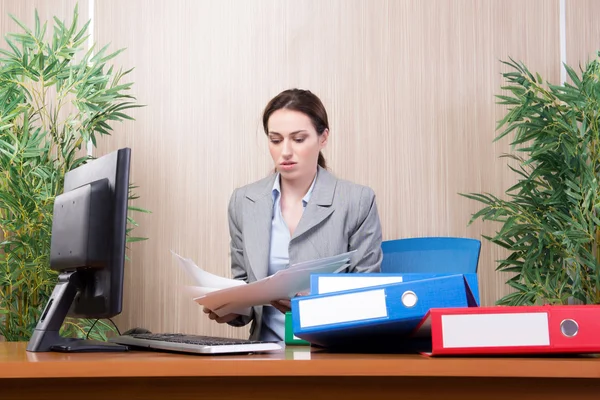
[409, 87]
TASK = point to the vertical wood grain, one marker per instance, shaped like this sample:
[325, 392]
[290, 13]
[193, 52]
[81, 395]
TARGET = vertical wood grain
[409, 86]
[582, 32]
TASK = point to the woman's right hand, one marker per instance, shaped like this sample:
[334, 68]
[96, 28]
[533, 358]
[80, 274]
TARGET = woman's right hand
[221, 320]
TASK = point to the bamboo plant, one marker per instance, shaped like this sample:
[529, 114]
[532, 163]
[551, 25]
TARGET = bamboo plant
[55, 97]
[550, 221]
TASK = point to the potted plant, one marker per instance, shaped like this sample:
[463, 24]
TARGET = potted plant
[550, 222]
[54, 99]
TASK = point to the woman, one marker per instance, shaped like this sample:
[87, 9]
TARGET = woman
[299, 213]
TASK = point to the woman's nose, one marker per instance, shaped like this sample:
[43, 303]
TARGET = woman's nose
[287, 148]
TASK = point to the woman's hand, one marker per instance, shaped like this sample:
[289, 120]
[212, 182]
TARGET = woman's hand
[221, 320]
[282, 305]
[285, 305]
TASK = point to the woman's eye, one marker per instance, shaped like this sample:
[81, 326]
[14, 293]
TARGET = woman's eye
[300, 140]
[275, 141]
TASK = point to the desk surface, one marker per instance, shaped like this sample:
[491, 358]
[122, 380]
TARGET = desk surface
[15, 362]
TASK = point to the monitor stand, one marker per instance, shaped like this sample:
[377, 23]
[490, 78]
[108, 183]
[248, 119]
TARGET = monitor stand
[46, 336]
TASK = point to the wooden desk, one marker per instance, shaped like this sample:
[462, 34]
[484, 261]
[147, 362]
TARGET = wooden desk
[295, 373]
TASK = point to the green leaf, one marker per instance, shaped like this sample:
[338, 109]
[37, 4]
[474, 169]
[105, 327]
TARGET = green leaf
[131, 239]
[25, 28]
[572, 75]
[132, 208]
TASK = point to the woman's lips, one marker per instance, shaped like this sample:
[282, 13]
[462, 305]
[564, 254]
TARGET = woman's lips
[287, 165]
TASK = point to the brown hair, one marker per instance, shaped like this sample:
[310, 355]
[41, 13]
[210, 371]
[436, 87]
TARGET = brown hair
[303, 101]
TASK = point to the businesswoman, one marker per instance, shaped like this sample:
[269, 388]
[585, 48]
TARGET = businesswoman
[300, 212]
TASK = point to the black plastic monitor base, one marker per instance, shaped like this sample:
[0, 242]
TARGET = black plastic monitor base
[46, 336]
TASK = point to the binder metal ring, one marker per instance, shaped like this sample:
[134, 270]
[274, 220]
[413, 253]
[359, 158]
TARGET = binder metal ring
[409, 298]
[569, 327]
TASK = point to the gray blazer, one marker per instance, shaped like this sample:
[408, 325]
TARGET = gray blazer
[340, 216]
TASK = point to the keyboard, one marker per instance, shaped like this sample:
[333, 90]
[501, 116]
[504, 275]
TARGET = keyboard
[194, 344]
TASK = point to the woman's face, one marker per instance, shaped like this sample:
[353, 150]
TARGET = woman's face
[294, 143]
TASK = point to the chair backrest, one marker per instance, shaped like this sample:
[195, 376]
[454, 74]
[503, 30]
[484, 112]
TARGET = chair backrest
[431, 255]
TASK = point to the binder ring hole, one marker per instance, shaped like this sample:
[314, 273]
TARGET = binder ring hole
[569, 328]
[409, 299]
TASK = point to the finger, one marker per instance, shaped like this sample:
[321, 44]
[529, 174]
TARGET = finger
[206, 310]
[227, 318]
[278, 306]
[285, 303]
[282, 306]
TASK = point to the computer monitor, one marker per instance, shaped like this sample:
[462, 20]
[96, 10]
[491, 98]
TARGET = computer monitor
[88, 250]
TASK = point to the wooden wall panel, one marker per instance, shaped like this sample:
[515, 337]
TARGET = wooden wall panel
[582, 32]
[409, 86]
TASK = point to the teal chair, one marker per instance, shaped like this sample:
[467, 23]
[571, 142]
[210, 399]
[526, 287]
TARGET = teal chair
[431, 255]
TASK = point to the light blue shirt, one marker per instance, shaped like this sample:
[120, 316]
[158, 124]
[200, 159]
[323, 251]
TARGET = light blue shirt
[273, 328]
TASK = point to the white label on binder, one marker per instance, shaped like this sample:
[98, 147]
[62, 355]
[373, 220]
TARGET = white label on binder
[342, 308]
[329, 284]
[495, 330]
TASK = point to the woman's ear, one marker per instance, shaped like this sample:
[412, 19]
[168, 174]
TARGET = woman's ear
[324, 138]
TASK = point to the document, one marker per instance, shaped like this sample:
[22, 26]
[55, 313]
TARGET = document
[205, 282]
[224, 296]
[203, 278]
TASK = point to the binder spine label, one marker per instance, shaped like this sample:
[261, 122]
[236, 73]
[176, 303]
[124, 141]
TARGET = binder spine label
[342, 308]
[495, 330]
[329, 284]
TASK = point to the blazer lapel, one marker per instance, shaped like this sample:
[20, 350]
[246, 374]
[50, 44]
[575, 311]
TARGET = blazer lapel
[319, 206]
[257, 224]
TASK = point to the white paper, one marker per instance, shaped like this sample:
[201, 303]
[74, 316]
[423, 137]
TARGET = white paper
[197, 291]
[324, 261]
[284, 284]
[203, 278]
[206, 282]
[225, 296]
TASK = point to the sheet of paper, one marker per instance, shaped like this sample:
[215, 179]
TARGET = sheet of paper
[203, 278]
[207, 283]
[224, 296]
[284, 284]
[324, 261]
[197, 291]
[340, 265]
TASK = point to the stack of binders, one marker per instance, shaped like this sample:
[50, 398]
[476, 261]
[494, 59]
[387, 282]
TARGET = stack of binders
[435, 314]
[377, 311]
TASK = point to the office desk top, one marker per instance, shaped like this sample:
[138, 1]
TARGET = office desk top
[297, 373]
[299, 361]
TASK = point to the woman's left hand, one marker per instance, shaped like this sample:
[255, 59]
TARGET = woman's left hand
[285, 304]
[282, 305]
